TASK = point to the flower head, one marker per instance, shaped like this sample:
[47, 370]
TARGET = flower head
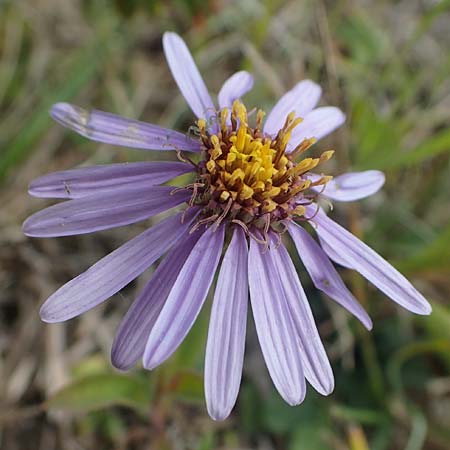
[253, 182]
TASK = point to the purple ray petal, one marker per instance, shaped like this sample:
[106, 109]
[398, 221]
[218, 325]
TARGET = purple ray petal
[112, 129]
[226, 335]
[187, 76]
[103, 211]
[334, 255]
[274, 325]
[77, 183]
[317, 124]
[116, 270]
[354, 253]
[234, 88]
[313, 356]
[324, 276]
[301, 99]
[351, 186]
[185, 299]
[134, 329]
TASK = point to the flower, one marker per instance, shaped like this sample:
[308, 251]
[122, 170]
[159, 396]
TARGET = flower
[251, 185]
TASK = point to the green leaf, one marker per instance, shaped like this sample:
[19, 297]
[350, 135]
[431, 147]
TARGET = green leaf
[101, 391]
[362, 416]
[311, 437]
[279, 417]
[375, 136]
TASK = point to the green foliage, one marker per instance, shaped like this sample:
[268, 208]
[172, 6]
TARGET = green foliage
[102, 390]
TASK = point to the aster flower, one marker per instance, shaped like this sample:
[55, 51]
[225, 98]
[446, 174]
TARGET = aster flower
[251, 184]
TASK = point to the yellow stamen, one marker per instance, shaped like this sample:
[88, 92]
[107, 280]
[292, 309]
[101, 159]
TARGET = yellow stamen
[326, 156]
[217, 150]
[251, 174]
[299, 210]
[223, 119]
[246, 192]
[211, 166]
[201, 123]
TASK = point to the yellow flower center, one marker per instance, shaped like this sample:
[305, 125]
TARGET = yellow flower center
[247, 175]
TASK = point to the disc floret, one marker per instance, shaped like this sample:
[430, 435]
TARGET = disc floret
[247, 176]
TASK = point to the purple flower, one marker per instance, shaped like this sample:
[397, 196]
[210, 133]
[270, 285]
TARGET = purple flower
[251, 184]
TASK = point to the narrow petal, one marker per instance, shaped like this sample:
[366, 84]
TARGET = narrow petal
[116, 270]
[317, 124]
[354, 253]
[132, 334]
[276, 331]
[334, 255]
[185, 299]
[234, 88]
[351, 186]
[77, 183]
[313, 356]
[187, 76]
[226, 335]
[324, 276]
[301, 99]
[103, 211]
[106, 127]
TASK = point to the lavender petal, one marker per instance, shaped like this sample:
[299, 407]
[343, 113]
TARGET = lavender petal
[277, 335]
[351, 186]
[77, 183]
[324, 276]
[102, 211]
[112, 129]
[234, 88]
[313, 356]
[356, 254]
[185, 299]
[301, 99]
[131, 337]
[187, 76]
[226, 335]
[334, 255]
[317, 124]
[116, 270]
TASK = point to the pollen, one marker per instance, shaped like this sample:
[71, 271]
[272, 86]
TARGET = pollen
[248, 175]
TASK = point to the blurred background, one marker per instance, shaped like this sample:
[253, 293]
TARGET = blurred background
[385, 63]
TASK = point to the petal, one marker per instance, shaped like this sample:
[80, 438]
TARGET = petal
[103, 211]
[351, 186]
[273, 319]
[112, 129]
[314, 359]
[324, 276]
[187, 76]
[334, 256]
[354, 253]
[226, 335]
[77, 183]
[116, 270]
[132, 334]
[185, 299]
[317, 124]
[301, 99]
[234, 88]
